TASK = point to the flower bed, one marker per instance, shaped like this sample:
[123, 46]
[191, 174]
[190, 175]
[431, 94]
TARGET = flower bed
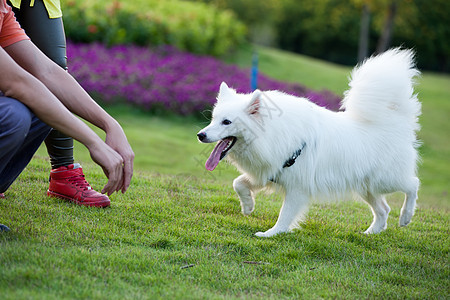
[167, 78]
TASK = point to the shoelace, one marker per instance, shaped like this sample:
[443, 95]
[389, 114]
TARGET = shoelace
[79, 181]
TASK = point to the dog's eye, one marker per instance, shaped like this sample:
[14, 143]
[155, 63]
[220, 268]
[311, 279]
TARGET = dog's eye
[226, 122]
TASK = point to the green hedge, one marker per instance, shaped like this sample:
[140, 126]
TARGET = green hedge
[193, 27]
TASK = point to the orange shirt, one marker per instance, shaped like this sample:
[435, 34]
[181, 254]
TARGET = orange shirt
[10, 31]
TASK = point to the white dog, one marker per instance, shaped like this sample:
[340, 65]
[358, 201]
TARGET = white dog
[369, 148]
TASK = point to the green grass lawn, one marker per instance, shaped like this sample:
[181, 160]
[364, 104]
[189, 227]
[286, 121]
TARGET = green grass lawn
[178, 231]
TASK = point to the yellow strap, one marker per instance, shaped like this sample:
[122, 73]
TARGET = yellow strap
[15, 3]
[53, 7]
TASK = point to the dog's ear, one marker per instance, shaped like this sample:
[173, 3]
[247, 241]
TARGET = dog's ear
[225, 92]
[255, 103]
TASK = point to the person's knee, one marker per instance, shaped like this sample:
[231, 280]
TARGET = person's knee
[15, 121]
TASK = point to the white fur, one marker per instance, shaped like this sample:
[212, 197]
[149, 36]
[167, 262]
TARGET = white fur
[368, 149]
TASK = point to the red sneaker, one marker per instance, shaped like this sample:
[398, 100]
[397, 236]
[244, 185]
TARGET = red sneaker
[68, 183]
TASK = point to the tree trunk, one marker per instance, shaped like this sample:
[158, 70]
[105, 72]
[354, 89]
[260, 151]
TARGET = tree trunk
[385, 38]
[363, 47]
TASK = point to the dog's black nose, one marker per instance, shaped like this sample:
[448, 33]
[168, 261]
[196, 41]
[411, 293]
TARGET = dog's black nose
[201, 136]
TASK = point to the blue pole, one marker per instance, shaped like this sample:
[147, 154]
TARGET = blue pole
[254, 73]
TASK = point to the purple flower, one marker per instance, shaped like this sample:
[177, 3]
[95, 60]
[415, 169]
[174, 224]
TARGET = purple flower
[167, 78]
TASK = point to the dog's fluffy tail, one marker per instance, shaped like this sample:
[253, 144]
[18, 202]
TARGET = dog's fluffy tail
[381, 88]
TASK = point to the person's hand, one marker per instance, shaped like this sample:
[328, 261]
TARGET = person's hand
[111, 163]
[116, 139]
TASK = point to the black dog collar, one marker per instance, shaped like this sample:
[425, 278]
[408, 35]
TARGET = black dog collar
[288, 163]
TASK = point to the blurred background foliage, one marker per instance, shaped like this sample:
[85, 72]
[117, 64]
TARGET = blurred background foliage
[326, 29]
[330, 29]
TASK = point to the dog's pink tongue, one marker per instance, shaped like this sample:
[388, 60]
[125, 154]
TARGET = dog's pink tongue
[214, 158]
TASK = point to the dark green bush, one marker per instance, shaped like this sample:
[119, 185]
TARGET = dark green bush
[425, 26]
[193, 27]
[329, 29]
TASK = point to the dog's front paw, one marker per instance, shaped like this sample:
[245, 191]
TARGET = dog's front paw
[375, 229]
[405, 217]
[268, 233]
[247, 205]
[261, 234]
[248, 209]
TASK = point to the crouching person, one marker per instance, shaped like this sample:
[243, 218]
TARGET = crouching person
[38, 95]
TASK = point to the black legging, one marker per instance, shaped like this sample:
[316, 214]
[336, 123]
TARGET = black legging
[48, 35]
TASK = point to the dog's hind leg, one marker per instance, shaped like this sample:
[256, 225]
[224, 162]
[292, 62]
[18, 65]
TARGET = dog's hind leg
[380, 210]
[294, 207]
[409, 204]
[244, 189]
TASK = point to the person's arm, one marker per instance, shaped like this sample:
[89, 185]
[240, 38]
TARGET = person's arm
[17, 83]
